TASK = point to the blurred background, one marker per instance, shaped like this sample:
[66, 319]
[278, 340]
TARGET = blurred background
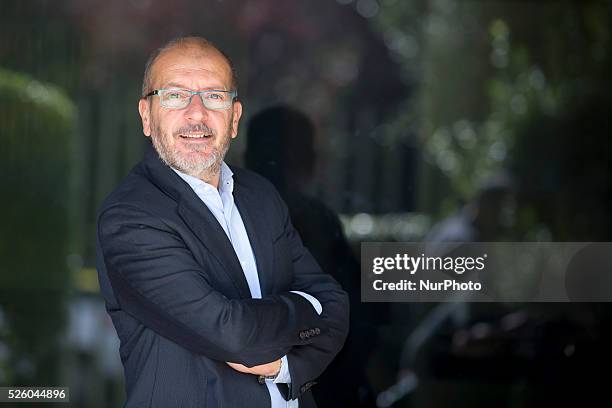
[378, 120]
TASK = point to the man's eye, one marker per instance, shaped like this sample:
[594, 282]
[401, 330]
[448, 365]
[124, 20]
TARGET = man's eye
[175, 95]
[216, 96]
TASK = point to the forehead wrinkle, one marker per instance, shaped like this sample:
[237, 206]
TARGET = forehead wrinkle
[186, 85]
[180, 85]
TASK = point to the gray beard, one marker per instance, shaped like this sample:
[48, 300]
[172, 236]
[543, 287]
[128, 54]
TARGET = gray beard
[205, 169]
[201, 168]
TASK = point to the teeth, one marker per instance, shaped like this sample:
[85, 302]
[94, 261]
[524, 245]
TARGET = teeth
[196, 136]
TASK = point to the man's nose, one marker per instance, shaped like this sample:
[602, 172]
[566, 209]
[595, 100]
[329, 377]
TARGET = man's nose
[196, 110]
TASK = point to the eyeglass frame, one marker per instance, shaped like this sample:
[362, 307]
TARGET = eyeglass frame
[233, 94]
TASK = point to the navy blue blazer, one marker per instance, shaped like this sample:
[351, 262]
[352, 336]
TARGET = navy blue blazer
[180, 303]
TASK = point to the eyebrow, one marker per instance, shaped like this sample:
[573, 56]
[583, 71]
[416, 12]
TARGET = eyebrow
[177, 85]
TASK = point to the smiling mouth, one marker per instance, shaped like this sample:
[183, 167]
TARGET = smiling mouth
[196, 135]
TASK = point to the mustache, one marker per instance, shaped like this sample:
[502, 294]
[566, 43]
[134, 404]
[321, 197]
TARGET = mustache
[199, 128]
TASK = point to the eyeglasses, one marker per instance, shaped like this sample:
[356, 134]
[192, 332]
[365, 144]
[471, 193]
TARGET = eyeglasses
[175, 98]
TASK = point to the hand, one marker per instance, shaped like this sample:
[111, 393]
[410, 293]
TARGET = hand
[264, 369]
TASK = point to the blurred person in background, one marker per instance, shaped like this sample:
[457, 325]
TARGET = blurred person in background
[281, 147]
[454, 335]
[485, 218]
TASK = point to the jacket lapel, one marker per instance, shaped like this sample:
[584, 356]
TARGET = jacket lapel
[258, 232]
[206, 227]
[199, 219]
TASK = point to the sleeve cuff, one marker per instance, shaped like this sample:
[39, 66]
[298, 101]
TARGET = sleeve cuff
[313, 301]
[283, 375]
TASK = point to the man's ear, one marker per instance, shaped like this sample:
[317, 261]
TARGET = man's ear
[145, 115]
[237, 107]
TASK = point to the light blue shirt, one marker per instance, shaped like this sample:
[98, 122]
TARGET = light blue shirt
[221, 203]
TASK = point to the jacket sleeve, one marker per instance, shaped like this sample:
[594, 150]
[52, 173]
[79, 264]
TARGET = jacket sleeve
[155, 278]
[307, 362]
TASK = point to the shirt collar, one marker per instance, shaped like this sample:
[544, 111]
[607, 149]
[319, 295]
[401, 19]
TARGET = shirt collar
[226, 180]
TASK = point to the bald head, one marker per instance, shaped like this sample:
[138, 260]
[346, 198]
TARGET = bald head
[188, 45]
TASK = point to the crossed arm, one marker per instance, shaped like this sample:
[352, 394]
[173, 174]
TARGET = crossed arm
[156, 279]
[307, 361]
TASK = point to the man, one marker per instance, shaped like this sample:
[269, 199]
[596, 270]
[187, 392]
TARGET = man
[214, 298]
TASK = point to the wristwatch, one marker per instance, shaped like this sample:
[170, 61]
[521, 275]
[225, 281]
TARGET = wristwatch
[262, 378]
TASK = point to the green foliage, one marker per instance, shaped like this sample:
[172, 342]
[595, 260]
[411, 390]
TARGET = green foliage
[37, 123]
[487, 73]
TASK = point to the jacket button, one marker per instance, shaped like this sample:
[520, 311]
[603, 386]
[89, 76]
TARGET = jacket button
[307, 386]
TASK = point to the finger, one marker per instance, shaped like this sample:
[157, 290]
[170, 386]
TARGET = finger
[239, 367]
